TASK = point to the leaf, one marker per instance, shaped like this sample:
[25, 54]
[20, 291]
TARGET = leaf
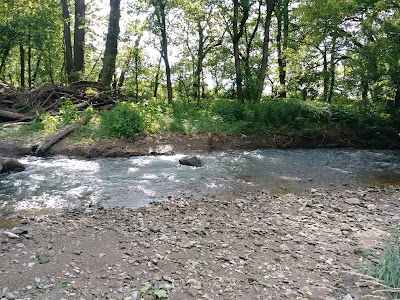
[160, 294]
[145, 288]
[64, 284]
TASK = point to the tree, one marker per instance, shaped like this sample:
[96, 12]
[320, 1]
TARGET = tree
[203, 34]
[160, 13]
[238, 26]
[67, 38]
[282, 16]
[265, 49]
[79, 38]
[110, 53]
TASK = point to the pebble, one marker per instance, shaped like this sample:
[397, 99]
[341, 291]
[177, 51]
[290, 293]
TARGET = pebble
[263, 248]
[43, 258]
[352, 201]
[19, 230]
[10, 234]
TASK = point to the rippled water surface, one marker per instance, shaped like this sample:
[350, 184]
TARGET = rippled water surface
[60, 182]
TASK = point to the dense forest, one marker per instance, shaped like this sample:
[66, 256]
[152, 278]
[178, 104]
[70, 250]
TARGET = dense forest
[196, 51]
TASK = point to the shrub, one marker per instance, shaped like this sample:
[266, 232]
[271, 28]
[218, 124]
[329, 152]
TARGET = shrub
[122, 121]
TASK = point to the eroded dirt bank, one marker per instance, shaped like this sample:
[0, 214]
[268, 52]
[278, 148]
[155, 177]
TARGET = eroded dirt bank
[250, 245]
[170, 143]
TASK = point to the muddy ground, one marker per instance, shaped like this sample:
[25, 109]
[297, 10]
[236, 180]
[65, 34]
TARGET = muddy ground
[251, 245]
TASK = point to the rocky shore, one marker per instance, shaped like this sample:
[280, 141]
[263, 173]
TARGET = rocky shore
[251, 245]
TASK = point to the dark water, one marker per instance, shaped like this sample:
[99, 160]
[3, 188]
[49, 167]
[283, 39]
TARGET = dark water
[59, 182]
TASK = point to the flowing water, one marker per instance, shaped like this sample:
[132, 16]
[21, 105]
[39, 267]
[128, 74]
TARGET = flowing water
[61, 182]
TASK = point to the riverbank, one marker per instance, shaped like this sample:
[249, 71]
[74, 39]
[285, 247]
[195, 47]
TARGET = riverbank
[171, 143]
[251, 245]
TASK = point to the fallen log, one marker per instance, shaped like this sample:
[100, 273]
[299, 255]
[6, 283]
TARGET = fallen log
[13, 124]
[54, 138]
[7, 115]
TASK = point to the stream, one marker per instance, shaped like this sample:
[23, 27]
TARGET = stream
[61, 182]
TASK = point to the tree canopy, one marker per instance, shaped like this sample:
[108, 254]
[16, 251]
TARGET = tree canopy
[242, 49]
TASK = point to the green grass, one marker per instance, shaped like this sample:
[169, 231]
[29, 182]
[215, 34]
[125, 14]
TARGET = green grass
[127, 120]
[388, 269]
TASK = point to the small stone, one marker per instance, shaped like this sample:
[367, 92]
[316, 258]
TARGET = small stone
[155, 229]
[43, 258]
[11, 235]
[19, 230]
[192, 292]
[352, 201]
[348, 297]
[284, 248]
[133, 296]
[101, 255]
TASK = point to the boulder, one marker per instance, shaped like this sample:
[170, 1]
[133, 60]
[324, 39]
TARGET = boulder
[193, 161]
[10, 166]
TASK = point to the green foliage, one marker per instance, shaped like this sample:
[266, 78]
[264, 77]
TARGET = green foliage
[388, 269]
[65, 284]
[124, 120]
[157, 294]
[67, 115]
[285, 116]
[27, 132]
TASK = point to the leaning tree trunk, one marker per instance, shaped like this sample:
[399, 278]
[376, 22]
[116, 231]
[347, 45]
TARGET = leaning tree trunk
[110, 53]
[164, 47]
[264, 60]
[79, 38]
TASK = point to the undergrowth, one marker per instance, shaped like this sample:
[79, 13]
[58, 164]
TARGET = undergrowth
[371, 122]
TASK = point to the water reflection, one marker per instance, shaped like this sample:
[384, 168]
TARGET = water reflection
[59, 182]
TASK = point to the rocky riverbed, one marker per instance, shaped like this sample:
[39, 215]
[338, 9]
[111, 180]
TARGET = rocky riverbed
[251, 245]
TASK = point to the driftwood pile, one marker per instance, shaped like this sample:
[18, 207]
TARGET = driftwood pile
[17, 105]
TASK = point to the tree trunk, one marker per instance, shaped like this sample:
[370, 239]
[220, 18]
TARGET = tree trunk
[79, 38]
[67, 38]
[29, 59]
[157, 78]
[164, 47]
[22, 61]
[6, 52]
[35, 73]
[136, 59]
[237, 34]
[110, 53]
[199, 64]
[325, 74]
[265, 56]
[281, 40]
[396, 104]
[54, 138]
[332, 68]
[364, 93]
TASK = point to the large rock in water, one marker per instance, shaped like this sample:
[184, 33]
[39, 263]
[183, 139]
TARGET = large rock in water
[10, 166]
[193, 161]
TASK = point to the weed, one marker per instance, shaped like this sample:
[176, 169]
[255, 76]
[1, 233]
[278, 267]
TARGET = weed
[388, 269]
